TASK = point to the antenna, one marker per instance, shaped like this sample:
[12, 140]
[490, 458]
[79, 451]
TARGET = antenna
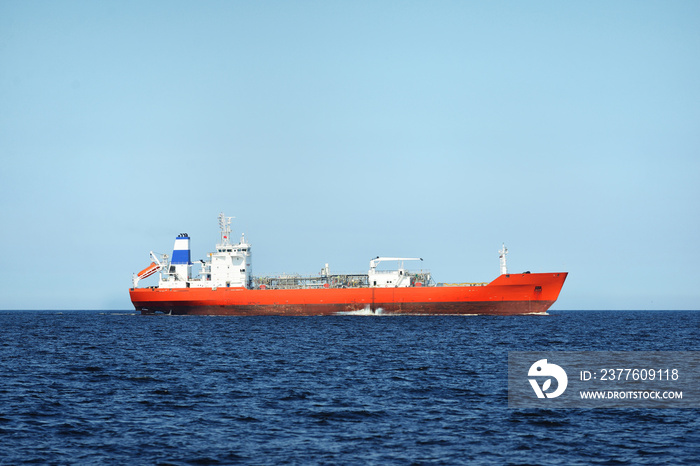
[225, 225]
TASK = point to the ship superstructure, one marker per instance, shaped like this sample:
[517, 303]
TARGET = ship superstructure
[224, 284]
[229, 266]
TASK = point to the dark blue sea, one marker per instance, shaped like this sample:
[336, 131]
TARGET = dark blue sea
[89, 387]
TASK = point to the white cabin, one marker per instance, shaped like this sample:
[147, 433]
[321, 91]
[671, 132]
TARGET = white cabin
[398, 278]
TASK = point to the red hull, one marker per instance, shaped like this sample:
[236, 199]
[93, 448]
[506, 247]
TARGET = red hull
[511, 294]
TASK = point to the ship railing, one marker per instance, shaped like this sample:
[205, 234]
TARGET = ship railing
[463, 284]
[281, 282]
[405, 272]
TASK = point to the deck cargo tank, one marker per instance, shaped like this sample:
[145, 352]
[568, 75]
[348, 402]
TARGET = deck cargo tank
[225, 285]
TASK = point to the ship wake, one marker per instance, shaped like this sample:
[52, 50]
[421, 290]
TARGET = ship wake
[366, 311]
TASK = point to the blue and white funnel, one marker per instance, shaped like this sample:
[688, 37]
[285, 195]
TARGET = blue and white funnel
[180, 263]
[181, 250]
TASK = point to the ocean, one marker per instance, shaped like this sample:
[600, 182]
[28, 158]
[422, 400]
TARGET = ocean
[110, 387]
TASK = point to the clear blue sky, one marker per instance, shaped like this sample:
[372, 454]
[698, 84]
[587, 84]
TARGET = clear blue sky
[339, 131]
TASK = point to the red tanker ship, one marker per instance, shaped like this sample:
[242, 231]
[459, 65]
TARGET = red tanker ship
[226, 286]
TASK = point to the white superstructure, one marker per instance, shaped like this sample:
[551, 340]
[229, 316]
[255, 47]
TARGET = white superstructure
[398, 278]
[229, 266]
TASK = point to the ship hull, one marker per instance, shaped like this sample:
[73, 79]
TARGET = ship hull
[513, 294]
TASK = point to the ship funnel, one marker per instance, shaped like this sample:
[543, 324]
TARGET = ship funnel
[181, 250]
[180, 262]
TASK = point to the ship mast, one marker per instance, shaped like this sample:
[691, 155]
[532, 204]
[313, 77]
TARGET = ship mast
[502, 255]
[225, 225]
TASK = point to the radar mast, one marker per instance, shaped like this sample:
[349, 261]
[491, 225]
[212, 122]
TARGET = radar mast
[225, 225]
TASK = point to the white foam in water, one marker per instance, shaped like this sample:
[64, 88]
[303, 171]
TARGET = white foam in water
[366, 311]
